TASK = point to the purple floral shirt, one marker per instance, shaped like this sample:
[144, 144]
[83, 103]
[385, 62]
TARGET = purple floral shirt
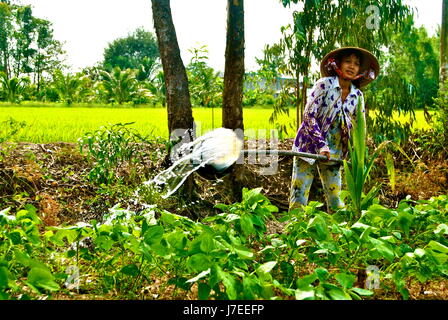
[323, 107]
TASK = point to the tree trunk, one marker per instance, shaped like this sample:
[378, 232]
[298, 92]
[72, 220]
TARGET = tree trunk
[444, 43]
[177, 93]
[232, 109]
[180, 116]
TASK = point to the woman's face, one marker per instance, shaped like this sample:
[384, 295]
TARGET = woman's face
[350, 66]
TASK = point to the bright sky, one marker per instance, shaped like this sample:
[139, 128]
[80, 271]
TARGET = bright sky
[87, 26]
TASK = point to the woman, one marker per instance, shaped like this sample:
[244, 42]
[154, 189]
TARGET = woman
[328, 117]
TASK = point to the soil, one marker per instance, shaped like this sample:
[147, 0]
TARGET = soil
[53, 178]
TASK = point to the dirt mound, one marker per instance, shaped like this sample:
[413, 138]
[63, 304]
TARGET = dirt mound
[53, 178]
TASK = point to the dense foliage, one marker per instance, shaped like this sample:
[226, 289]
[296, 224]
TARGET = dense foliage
[136, 51]
[27, 45]
[227, 256]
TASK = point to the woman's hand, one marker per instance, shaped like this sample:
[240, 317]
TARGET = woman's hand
[327, 154]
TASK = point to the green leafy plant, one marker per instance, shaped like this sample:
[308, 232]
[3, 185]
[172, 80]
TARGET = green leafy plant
[120, 85]
[9, 128]
[357, 172]
[70, 88]
[109, 147]
[11, 87]
[318, 256]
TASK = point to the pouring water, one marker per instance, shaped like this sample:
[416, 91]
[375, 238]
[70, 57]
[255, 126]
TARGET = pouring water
[218, 149]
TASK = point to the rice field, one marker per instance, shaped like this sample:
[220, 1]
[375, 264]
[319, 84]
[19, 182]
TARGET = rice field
[53, 122]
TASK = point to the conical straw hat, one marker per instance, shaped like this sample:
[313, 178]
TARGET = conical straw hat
[369, 65]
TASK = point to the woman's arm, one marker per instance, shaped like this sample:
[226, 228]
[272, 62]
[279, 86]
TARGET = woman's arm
[310, 124]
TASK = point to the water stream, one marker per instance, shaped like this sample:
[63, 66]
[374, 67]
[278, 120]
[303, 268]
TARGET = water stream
[219, 149]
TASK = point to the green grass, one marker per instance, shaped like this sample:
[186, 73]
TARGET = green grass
[52, 122]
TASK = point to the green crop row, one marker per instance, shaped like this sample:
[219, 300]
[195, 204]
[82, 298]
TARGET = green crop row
[227, 256]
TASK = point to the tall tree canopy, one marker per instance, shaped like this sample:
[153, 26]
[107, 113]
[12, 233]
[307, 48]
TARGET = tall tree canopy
[409, 80]
[27, 45]
[136, 51]
[323, 25]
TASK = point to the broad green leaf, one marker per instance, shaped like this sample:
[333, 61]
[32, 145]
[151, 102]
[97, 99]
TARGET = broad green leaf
[3, 278]
[15, 237]
[203, 291]
[306, 281]
[22, 257]
[365, 234]
[345, 280]
[441, 229]
[206, 243]
[383, 248]
[104, 242]
[367, 200]
[153, 234]
[390, 239]
[362, 226]
[252, 196]
[42, 278]
[231, 217]
[419, 252]
[243, 252]
[222, 207]
[251, 287]
[317, 228]
[436, 246]
[335, 293]
[322, 274]
[69, 234]
[304, 294]
[160, 248]
[266, 267]
[177, 240]
[246, 224]
[362, 292]
[198, 262]
[405, 220]
[131, 270]
[229, 283]
[256, 220]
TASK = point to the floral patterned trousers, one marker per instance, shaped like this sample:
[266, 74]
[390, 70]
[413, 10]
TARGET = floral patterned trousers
[302, 177]
[330, 174]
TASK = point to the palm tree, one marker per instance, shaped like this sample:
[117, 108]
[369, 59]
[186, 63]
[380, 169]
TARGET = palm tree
[156, 86]
[11, 87]
[69, 87]
[120, 84]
